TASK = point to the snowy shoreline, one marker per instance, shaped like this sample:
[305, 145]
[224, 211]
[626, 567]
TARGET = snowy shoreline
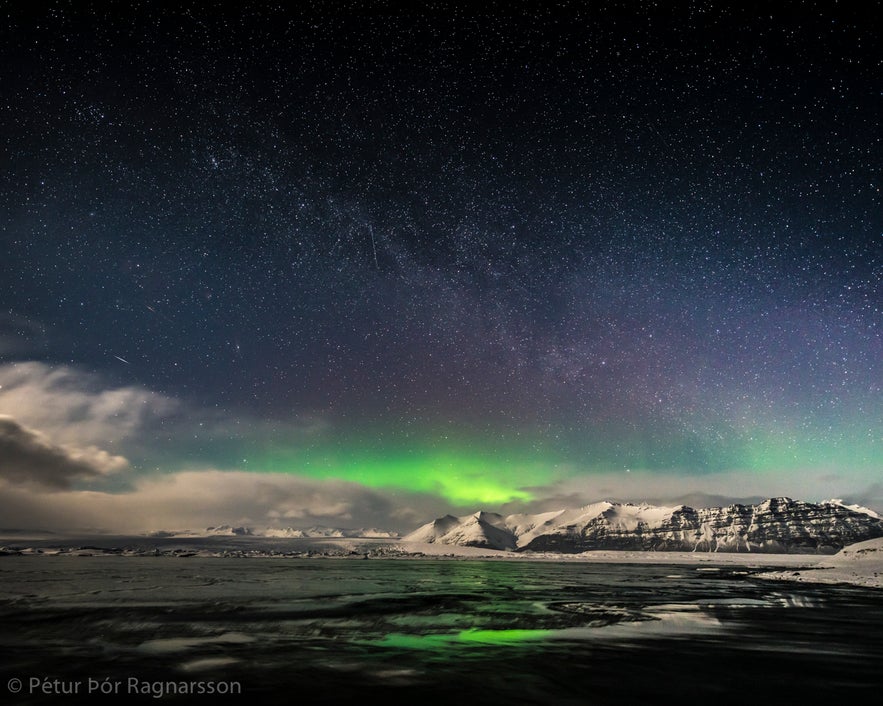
[859, 564]
[360, 548]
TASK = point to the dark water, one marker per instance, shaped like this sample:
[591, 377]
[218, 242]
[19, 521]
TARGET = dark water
[427, 631]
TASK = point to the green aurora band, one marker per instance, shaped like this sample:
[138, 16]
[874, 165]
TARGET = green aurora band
[494, 469]
[461, 475]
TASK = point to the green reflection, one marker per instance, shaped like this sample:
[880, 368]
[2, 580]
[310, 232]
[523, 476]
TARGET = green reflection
[502, 637]
[438, 642]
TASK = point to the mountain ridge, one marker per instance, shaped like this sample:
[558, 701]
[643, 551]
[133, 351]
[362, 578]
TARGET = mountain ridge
[776, 525]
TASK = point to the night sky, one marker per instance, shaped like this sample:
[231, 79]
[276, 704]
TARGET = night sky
[343, 263]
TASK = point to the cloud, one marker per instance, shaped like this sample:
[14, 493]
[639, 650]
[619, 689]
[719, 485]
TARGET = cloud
[711, 490]
[79, 408]
[195, 499]
[58, 425]
[73, 407]
[27, 456]
[871, 497]
[62, 428]
[202, 498]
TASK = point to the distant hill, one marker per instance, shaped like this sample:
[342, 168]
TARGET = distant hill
[309, 533]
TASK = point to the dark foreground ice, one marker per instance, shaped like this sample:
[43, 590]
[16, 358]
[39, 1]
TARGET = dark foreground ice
[324, 631]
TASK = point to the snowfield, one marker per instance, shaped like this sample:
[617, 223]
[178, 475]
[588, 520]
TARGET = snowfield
[860, 564]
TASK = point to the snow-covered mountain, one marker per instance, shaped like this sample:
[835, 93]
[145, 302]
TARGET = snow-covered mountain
[284, 532]
[856, 507]
[483, 529]
[227, 530]
[315, 532]
[777, 525]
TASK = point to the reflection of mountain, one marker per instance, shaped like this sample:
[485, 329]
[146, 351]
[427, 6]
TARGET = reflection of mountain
[776, 525]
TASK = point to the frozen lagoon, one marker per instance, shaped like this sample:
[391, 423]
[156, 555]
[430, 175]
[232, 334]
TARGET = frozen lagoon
[290, 630]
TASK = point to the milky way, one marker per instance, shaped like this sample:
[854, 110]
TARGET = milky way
[471, 254]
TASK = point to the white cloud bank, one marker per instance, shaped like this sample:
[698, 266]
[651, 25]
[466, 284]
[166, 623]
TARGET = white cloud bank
[199, 499]
[29, 457]
[73, 407]
[57, 422]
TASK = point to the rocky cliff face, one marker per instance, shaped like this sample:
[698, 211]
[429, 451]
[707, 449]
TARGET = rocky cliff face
[777, 525]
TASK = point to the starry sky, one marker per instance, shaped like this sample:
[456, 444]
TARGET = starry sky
[343, 263]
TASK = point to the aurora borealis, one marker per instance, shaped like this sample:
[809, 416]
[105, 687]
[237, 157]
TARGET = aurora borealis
[353, 263]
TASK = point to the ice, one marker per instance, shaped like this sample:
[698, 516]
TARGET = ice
[183, 644]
